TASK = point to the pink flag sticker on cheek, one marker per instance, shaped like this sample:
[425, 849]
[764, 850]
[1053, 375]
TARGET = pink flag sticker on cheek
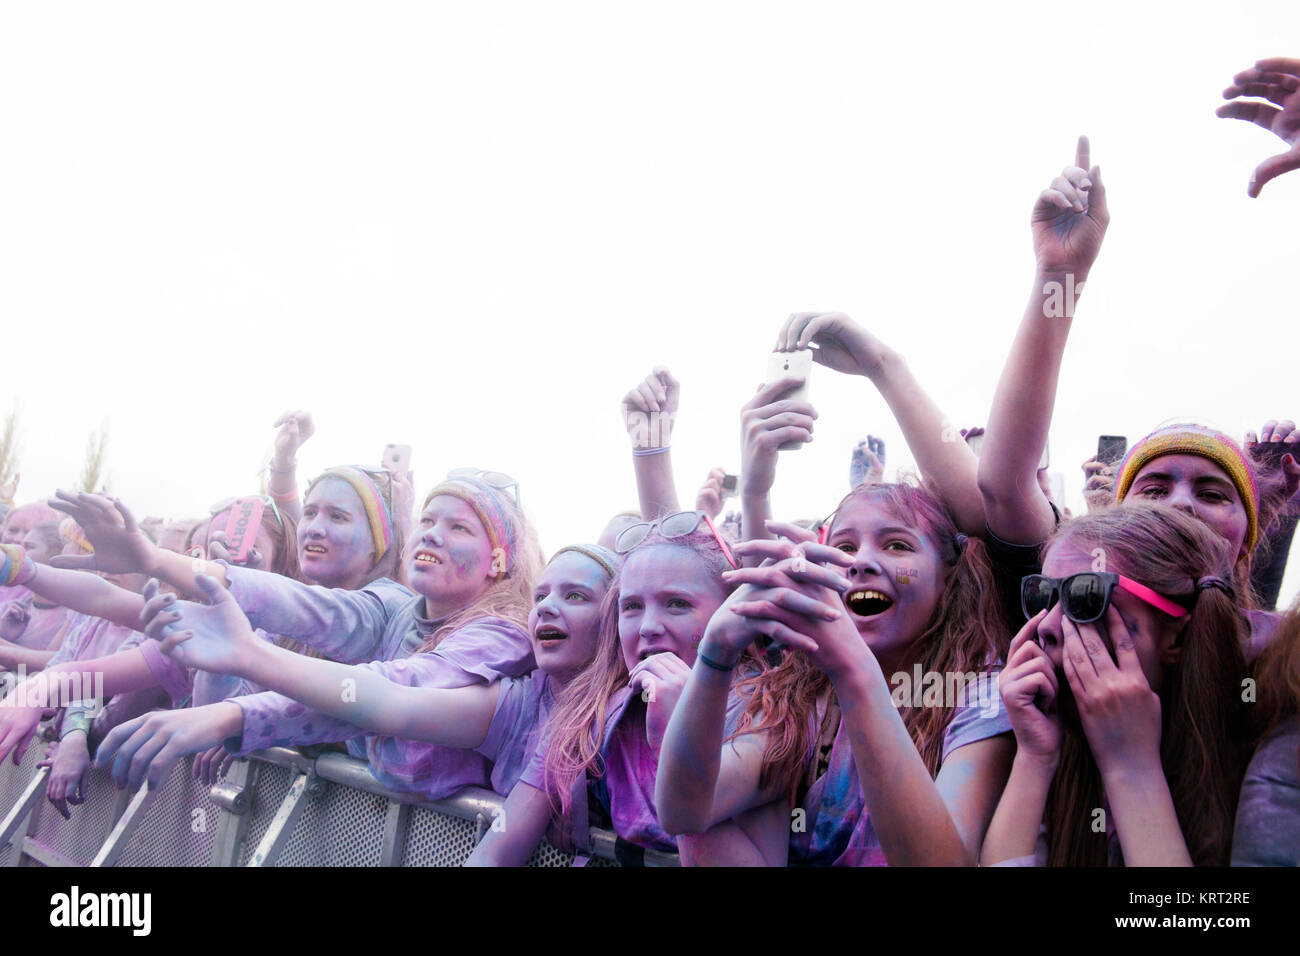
[906, 575]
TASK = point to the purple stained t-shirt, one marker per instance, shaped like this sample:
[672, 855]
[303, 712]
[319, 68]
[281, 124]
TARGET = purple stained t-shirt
[626, 791]
[523, 704]
[482, 651]
[838, 830]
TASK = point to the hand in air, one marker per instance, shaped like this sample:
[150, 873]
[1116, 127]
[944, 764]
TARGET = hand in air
[1277, 81]
[294, 429]
[120, 546]
[1070, 218]
[650, 410]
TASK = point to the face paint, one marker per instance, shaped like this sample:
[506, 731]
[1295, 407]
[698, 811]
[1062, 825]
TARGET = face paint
[666, 596]
[335, 544]
[906, 576]
[447, 538]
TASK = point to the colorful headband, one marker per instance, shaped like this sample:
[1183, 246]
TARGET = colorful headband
[71, 532]
[372, 499]
[1190, 439]
[15, 567]
[607, 559]
[491, 514]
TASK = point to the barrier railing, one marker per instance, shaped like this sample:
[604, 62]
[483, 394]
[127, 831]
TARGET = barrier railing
[280, 807]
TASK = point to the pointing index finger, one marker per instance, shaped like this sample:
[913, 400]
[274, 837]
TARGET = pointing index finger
[1083, 154]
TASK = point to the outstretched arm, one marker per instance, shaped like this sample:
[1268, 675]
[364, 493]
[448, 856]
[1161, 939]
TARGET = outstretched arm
[218, 637]
[1069, 221]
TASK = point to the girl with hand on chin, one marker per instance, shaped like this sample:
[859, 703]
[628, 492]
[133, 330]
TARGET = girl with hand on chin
[600, 748]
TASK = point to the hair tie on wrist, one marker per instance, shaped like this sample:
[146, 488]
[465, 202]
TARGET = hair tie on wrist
[699, 656]
[642, 452]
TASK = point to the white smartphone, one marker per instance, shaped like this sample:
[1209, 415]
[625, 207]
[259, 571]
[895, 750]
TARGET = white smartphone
[397, 458]
[796, 364]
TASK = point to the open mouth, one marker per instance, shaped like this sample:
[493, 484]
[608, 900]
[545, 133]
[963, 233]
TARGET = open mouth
[314, 549]
[426, 559]
[549, 633]
[867, 603]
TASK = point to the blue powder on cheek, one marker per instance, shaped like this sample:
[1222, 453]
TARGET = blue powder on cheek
[463, 558]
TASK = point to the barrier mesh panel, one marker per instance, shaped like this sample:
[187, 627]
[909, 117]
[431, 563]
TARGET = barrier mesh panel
[14, 780]
[341, 827]
[82, 836]
[437, 839]
[272, 784]
[547, 855]
[178, 827]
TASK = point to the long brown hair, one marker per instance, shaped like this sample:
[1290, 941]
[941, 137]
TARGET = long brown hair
[576, 724]
[1202, 718]
[966, 633]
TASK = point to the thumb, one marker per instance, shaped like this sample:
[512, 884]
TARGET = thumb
[1271, 168]
[212, 589]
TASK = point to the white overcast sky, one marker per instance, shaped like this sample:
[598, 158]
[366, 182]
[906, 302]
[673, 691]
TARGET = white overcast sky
[472, 227]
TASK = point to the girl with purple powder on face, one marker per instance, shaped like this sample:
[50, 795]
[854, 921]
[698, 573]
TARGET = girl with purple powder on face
[601, 741]
[497, 720]
[835, 759]
[472, 565]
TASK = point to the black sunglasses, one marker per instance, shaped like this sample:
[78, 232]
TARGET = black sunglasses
[1085, 597]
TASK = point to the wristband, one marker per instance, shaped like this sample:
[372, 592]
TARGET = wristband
[642, 452]
[293, 467]
[286, 496]
[15, 567]
[73, 722]
[699, 656]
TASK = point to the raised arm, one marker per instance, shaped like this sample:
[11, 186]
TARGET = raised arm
[649, 413]
[282, 484]
[1069, 221]
[845, 346]
[767, 421]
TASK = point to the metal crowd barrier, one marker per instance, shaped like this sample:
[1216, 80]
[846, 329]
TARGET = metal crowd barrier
[280, 807]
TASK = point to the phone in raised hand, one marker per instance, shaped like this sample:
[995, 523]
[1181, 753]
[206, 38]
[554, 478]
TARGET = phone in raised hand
[796, 364]
[397, 458]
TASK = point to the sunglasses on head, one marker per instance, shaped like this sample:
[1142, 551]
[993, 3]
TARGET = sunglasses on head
[677, 525]
[1085, 597]
[497, 480]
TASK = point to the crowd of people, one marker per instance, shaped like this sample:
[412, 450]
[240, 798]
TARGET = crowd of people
[950, 668]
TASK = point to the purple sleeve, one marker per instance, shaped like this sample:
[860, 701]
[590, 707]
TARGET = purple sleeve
[172, 677]
[481, 651]
[73, 640]
[982, 715]
[345, 626]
